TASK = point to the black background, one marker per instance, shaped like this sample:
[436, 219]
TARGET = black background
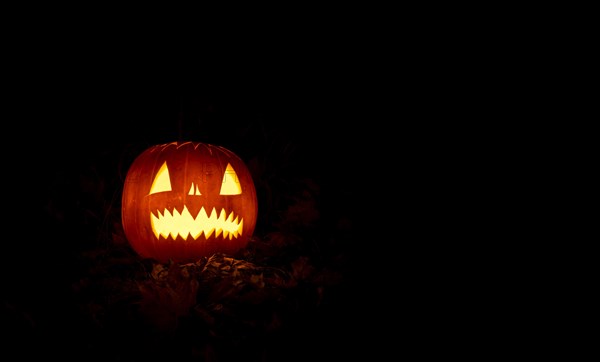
[81, 111]
[370, 112]
[411, 123]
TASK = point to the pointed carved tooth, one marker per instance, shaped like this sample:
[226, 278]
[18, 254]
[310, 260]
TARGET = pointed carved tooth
[209, 233]
[154, 222]
[202, 214]
[213, 214]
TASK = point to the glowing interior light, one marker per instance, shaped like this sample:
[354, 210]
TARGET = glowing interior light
[191, 192]
[161, 182]
[184, 224]
[231, 184]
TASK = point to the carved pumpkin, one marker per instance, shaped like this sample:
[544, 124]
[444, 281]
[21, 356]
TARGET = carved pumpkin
[184, 201]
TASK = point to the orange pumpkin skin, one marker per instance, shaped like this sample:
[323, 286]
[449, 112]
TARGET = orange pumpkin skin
[183, 201]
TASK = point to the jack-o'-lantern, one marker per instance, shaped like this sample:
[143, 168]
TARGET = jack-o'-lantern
[185, 200]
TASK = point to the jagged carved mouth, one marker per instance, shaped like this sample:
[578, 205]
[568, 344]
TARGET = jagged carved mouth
[183, 224]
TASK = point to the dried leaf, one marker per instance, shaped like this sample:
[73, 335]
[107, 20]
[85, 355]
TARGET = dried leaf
[301, 268]
[168, 295]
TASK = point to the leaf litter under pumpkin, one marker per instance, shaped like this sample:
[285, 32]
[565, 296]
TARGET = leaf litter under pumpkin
[220, 303]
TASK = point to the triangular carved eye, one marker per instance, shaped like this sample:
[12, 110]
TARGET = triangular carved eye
[231, 184]
[161, 182]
